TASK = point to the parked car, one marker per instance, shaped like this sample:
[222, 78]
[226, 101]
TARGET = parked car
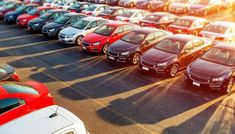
[23, 19]
[160, 20]
[111, 13]
[50, 16]
[18, 99]
[173, 54]
[8, 73]
[101, 1]
[79, 6]
[52, 29]
[58, 3]
[159, 5]
[10, 17]
[113, 2]
[49, 120]
[8, 7]
[215, 68]
[48, 2]
[127, 3]
[188, 25]
[129, 48]
[179, 6]
[204, 7]
[95, 9]
[133, 16]
[219, 31]
[75, 33]
[69, 4]
[105, 35]
[143, 4]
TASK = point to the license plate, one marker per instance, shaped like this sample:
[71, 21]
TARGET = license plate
[145, 68]
[84, 48]
[196, 84]
[110, 57]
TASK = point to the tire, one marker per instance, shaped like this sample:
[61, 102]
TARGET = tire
[105, 48]
[79, 40]
[135, 58]
[173, 70]
[229, 86]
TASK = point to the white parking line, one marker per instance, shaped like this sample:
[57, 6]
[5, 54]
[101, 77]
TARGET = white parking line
[19, 37]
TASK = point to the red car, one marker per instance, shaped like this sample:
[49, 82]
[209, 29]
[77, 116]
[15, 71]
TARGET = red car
[187, 25]
[23, 19]
[18, 99]
[105, 35]
[8, 73]
[8, 7]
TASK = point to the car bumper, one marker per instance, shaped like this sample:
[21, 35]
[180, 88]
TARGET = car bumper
[50, 34]
[21, 23]
[7, 19]
[67, 40]
[95, 49]
[150, 67]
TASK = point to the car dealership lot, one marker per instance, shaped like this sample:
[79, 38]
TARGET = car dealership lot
[112, 97]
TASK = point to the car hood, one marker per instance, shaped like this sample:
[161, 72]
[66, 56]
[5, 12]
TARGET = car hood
[211, 34]
[53, 25]
[197, 6]
[25, 16]
[122, 46]
[93, 37]
[70, 30]
[38, 20]
[209, 68]
[157, 56]
[11, 13]
[178, 5]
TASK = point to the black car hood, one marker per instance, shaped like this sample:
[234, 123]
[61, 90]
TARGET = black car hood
[38, 20]
[209, 68]
[158, 56]
[6, 70]
[12, 13]
[122, 46]
[53, 25]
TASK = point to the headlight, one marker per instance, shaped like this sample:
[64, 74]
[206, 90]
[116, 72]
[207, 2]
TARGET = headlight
[52, 30]
[11, 16]
[162, 64]
[219, 79]
[95, 44]
[125, 53]
[24, 20]
[70, 35]
[36, 24]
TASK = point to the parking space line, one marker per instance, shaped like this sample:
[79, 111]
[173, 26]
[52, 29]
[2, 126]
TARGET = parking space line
[5, 31]
[19, 37]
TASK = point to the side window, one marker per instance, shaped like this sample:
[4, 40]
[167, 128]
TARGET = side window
[138, 15]
[101, 22]
[159, 35]
[93, 24]
[119, 30]
[128, 28]
[150, 38]
[85, 6]
[198, 42]
[100, 9]
[73, 20]
[70, 132]
[9, 104]
[189, 46]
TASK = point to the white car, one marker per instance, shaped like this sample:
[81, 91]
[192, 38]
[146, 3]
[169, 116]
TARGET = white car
[50, 120]
[219, 31]
[127, 3]
[95, 9]
[133, 16]
[75, 33]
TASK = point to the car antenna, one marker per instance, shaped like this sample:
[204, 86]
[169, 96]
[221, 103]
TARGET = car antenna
[54, 114]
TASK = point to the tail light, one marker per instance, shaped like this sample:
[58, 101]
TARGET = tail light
[219, 38]
[74, 11]
[15, 76]
[89, 13]
[126, 20]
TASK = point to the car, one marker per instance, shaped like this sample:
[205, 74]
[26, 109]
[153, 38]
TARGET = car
[23, 19]
[52, 29]
[10, 17]
[127, 3]
[101, 1]
[95, 9]
[204, 7]
[133, 16]
[219, 31]
[75, 33]
[8, 73]
[215, 68]
[159, 5]
[111, 13]
[58, 3]
[188, 25]
[49, 120]
[142, 4]
[105, 35]
[18, 99]
[179, 6]
[8, 7]
[51, 15]
[48, 2]
[173, 54]
[79, 6]
[112, 2]
[129, 48]
[160, 20]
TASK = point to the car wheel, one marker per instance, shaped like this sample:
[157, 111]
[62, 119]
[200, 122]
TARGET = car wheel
[135, 58]
[229, 86]
[173, 70]
[79, 40]
[105, 48]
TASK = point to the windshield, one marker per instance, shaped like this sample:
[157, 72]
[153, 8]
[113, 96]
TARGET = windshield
[10, 6]
[220, 56]
[91, 8]
[18, 88]
[127, 14]
[154, 18]
[105, 30]
[109, 11]
[46, 15]
[81, 24]
[201, 2]
[62, 19]
[75, 6]
[215, 29]
[21, 8]
[134, 37]
[182, 23]
[49, 1]
[33, 11]
[170, 45]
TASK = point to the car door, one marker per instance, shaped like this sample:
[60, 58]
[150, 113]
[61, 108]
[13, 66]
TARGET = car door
[91, 27]
[186, 55]
[199, 48]
[148, 42]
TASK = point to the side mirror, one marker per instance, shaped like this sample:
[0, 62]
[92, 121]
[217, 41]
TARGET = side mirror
[185, 51]
[88, 28]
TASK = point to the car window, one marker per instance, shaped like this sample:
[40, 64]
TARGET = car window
[119, 30]
[93, 24]
[198, 42]
[150, 38]
[128, 27]
[138, 15]
[9, 104]
[42, 12]
[74, 19]
[189, 46]
[100, 9]
[19, 88]
[101, 22]
[164, 19]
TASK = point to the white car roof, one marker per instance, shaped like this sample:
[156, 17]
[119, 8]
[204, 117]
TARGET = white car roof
[38, 122]
[91, 18]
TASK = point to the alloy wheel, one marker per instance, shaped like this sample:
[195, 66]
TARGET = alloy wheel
[135, 58]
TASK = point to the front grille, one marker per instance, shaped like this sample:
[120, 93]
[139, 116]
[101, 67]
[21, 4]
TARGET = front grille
[147, 63]
[200, 78]
[44, 30]
[113, 53]
[86, 44]
[62, 36]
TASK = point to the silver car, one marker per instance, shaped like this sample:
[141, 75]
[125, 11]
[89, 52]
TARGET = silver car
[75, 33]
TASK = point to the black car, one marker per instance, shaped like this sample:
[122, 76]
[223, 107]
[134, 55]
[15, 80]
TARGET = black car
[113, 2]
[52, 29]
[131, 46]
[159, 20]
[111, 13]
[37, 23]
[173, 54]
[8, 73]
[215, 68]
[79, 6]
[10, 17]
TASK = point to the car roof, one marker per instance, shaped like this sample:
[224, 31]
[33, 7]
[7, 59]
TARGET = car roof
[223, 23]
[192, 18]
[39, 122]
[182, 37]
[91, 18]
[226, 46]
[82, 2]
[73, 14]
[117, 23]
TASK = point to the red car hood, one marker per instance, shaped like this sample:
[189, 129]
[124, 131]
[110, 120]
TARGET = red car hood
[25, 16]
[42, 89]
[93, 37]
